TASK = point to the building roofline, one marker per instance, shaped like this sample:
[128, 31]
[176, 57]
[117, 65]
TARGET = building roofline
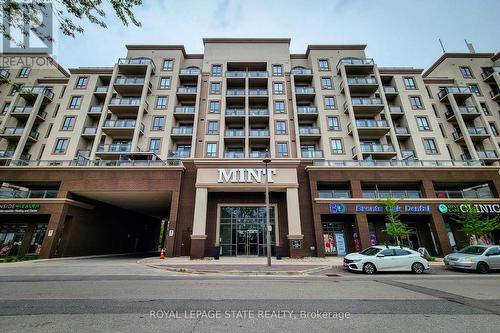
[438, 80]
[455, 55]
[247, 40]
[55, 80]
[52, 60]
[400, 70]
[496, 56]
[91, 70]
[360, 47]
[157, 47]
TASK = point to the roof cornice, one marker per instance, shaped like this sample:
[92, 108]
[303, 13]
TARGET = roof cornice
[247, 40]
[400, 70]
[455, 55]
[360, 47]
[157, 47]
[91, 70]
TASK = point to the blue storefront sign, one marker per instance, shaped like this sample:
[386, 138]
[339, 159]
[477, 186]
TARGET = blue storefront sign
[402, 209]
[337, 208]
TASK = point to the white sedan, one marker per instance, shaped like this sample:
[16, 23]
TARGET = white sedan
[386, 258]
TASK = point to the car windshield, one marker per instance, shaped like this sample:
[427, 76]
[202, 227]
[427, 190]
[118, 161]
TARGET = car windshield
[472, 250]
[371, 251]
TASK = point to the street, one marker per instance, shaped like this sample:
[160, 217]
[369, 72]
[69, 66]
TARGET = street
[120, 295]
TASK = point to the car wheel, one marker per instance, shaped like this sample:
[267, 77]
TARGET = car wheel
[369, 268]
[417, 268]
[482, 267]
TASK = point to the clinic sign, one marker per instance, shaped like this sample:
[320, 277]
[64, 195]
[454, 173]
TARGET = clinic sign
[19, 208]
[463, 208]
[245, 175]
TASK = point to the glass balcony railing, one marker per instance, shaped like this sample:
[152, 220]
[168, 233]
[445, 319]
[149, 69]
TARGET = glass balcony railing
[136, 61]
[12, 130]
[485, 154]
[130, 80]
[234, 132]
[22, 109]
[304, 90]
[258, 112]
[305, 153]
[101, 89]
[115, 147]
[379, 194]
[334, 194]
[95, 109]
[235, 112]
[236, 74]
[377, 148]
[257, 74]
[258, 154]
[371, 123]
[402, 130]
[301, 71]
[35, 90]
[307, 109]
[389, 89]
[453, 90]
[309, 130]
[235, 92]
[187, 90]
[488, 71]
[361, 80]
[38, 194]
[6, 153]
[234, 154]
[495, 92]
[395, 110]
[366, 101]
[122, 123]
[125, 101]
[182, 130]
[89, 130]
[184, 109]
[179, 153]
[469, 194]
[258, 132]
[257, 92]
[355, 61]
[472, 131]
[190, 71]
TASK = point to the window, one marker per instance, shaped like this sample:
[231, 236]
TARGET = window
[323, 65]
[416, 103]
[279, 107]
[333, 123]
[214, 106]
[165, 82]
[410, 82]
[5, 107]
[485, 109]
[14, 89]
[211, 149]
[161, 102]
[158, 123]
[466, 72]
[168, 64]
[282, 149]
[24, 72]
[401, 252]
[277, 70]
[216, 70]
[430, 146]
[213, 127]
[61, 146]
[494, 129]
[154, 145]
[443, 133]
[68, 123]
[387, 252]
[429, 92]
[423, 124]
[49, 129]
[329, 102]
[280, 127]
[326, 83]
[278, 87]
[436, 113]
[215, 87]
[81, 82]
[75, 102]
[336, 145]
[475, 89]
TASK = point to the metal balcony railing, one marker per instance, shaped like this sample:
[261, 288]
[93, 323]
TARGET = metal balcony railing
[355, 61]
[184, 109]
[371, 123]
[190, 71]
[259, 132]
[378, 194]
[366, 101]
[301, 71]
[334, 194]
[22, 109]
[121, 123]
[136, 61]
[35, 90]
[89, 130]
[257, 74]
[179, 153]
[95, 109]
[258, 154]
[38, 194]
[494, 92]
[483, 154]
[13, 130]
[236, 74]
[130, 80]
[453, 90]
[304, 90]
[187, 90]
[488, 71]
[257, 92]
[307, 109]
[398, 163]
[101, 89]
[238, 132]
[361, 80]
[309, 130]
[235, 112]
[402, 130]
[235, 92]
[258, 112]
[95, 163]
[471, 131]
[389, 89]
[311, 153]
[182, 130]
[125, 101]
[115, 147]
[377, 148]
[234, 154]
[395, 110]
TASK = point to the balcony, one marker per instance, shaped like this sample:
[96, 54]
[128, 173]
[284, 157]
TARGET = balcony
[101, 91]
[475, 133]
[400, 194]
[390, 92]
[382, 151]
[257, 114]
[484, 193]
[467, 113]
[4, 73]
[89, 132]
[121, 127]
[181, 132]
[259, 154]
[258, 135]
[309, 132]
[302, 75]
[334, 194]
[460, 93]
[235, 115]
[408, 155]
[190, 71]
[495, 94]
[301, 71]
[125, 105]
[485, 155]
[307, 112]
[135, 65]
[6, 154]
[402, 132]
[356, 65]
[234, 135]
[370, 127]
[95, 111]
[187, 93]
[115, 148]
[361, 85]
[257, 74]
[18, 194]
[236, 74]
[179, 153]
[396, 112]
[257, 92]
[365, 106]
[487, 74]
[184, 112]
[312, 154]
[12, 133]
[30, 93]
[21, 112]
[235, 92]
[33, 136]
[304, 93]
[130, 85]
[234, 154]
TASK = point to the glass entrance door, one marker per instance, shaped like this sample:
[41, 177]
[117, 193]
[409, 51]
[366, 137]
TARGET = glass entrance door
[243, 231]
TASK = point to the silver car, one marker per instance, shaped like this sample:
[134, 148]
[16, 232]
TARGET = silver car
[482, 258]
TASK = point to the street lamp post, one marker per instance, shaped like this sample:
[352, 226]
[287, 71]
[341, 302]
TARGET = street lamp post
[266, 161]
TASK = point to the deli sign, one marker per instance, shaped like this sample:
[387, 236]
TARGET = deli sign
[245, 175]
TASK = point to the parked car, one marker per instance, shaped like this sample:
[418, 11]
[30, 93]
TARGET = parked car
[386, 258]
[481, 258]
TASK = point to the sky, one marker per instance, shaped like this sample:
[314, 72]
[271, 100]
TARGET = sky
[397, 32]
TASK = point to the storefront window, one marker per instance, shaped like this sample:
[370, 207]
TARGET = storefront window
[37, 239]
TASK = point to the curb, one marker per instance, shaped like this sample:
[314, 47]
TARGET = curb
[229, 272]
[85, 257]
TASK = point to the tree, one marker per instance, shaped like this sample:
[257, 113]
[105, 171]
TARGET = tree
[474, 223]
[395, 227]
[26, 16]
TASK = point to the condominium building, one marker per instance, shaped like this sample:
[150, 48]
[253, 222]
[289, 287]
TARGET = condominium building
[100, 159]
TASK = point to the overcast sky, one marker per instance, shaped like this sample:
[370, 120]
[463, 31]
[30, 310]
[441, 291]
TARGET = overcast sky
[397, 32]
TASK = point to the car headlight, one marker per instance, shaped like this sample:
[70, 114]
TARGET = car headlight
[468, 260]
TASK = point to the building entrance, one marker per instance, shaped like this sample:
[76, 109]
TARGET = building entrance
[243, 231]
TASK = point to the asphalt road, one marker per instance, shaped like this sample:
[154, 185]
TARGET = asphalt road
[119, 295]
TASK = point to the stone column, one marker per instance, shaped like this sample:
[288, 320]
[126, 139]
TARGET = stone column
[440, 233]
[294, 227]
[199, 224]
[363, 230]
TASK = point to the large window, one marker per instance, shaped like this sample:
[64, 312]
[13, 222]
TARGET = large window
[430, 146]
[168, 65]
[466, 72]
[213, 127]
[280, 127]
[215, 87]
[81, 82]
[282, 148]
[61, 146]
[277, 70]
[214, 106]
[326, 83]
[410, 82]
[75, 102]
[423, 124]
[278, 88]
[158, 123]
[154, 145]
[333, 123]
[279, 106]
[416, 102]
[165, 82]
[68, 123]
[216, 70]
[336, 145]
[161, 102]
[329, 102]
[212, 149]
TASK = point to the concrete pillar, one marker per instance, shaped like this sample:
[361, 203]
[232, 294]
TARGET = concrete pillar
[463, 127]
[352, 117]
[440, 233]
[199, 223]
[28, 126]
[363, 230]
[294, 227]
[172, 224]
[54, 232]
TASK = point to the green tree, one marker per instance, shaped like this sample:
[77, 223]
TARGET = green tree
[26, 16]
[474, 223]
[395, 227]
